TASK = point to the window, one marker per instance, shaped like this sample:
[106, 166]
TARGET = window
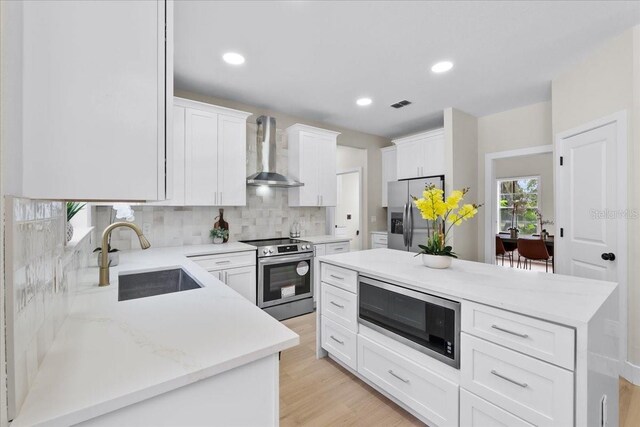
[519, 196]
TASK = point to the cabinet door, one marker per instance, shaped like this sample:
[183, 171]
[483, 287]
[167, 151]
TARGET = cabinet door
[93, 100]
[389, 174]
[326, 164]
[243, 281]
[410, 159]
[232, 149]
[309, 165]
[201, 157]
[175, 170]
[433, 156]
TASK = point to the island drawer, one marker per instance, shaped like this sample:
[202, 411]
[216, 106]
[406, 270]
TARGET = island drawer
[536, 391]
[430, 395]
[337, 248]
[339, 306]
[340, 277]
[224, 261]
[477, 412]
[339, 342]
[543, 340]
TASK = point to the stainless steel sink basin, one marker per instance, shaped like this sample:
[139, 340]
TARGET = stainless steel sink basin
[151, 283]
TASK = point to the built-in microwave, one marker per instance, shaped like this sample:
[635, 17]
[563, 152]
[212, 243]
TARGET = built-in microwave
[425, 322]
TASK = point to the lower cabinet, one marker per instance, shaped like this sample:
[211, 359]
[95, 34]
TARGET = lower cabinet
[477, 412]
[431, 396]
[242, 280]
[340, 342]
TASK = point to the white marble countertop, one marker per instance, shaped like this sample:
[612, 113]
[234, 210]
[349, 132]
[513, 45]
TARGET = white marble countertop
[110, 354]
[557, 298]
[318, 240]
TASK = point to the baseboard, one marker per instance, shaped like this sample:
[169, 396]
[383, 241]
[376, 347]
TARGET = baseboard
[630, 372]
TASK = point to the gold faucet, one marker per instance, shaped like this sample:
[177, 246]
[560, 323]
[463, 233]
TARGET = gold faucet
[104, 254]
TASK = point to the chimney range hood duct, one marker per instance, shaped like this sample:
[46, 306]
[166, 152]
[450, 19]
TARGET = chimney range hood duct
[267, 174]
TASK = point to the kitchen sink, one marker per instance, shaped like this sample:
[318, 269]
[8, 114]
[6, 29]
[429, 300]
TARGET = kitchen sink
[151, 283]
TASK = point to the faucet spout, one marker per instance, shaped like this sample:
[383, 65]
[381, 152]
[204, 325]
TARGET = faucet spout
[104, 253]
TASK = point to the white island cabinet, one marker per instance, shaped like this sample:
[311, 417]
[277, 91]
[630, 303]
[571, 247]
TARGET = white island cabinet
[535, 348]
[94, 110]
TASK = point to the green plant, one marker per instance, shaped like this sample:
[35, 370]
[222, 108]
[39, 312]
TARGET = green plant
[73, 208]
[217, 233]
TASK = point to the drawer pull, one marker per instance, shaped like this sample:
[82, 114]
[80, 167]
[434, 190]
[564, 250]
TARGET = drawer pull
[499, 375]
[338, 249]
[336, 304]
[518, 334]
[223, 262]
[336, 277]
[337, 340]
[404, 380]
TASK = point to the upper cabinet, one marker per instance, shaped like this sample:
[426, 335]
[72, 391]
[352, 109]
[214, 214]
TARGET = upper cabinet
[94, 81]
[389, 170]
[312, 161]
[421, 155]
[209, 149]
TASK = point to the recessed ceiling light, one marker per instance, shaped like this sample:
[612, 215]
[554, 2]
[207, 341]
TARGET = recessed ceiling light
[233, 58]
[364, 102]
[442, 67]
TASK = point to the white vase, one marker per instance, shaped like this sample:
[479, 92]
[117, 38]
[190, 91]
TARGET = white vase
[218, 240]
[436, 261]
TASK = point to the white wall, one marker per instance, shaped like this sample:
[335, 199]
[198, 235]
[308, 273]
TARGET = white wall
[523, 127]
[461, 136]
[604, 83]
[535, 165]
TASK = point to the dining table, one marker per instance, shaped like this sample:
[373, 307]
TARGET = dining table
[506, 237]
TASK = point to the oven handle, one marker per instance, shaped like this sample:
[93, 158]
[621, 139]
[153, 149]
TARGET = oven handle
[281, 259]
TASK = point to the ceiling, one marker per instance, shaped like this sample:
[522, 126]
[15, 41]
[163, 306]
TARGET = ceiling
[314, 59]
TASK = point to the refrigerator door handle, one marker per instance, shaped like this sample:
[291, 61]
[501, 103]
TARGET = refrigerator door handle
[404, 225]
[410, 226]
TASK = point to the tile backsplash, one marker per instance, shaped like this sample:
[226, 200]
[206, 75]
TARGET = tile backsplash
[267, 213]
[41, 275]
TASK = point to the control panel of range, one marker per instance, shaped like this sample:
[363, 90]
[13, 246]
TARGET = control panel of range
[284, 249]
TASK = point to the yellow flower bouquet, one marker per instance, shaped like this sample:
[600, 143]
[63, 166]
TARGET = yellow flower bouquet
[444, 213]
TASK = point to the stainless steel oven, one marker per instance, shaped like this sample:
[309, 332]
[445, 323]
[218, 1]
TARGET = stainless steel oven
[425, 322]
[284, 276]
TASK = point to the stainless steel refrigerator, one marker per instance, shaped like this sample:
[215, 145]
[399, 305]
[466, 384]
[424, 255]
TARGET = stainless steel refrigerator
[406, 228]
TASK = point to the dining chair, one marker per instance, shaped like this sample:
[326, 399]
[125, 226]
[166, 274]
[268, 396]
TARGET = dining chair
[501, 250]
[534, 249]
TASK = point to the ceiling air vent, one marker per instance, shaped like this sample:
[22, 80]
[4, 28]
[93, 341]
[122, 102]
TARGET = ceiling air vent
[401, 104]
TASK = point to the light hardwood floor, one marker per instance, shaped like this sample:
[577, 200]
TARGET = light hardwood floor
[321, 393]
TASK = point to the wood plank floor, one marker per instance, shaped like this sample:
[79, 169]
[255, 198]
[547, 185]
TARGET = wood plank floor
[321, 393]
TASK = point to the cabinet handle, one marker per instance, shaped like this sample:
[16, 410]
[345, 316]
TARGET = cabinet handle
[223, 262]
[404, 380]
[418, 171]
[336, 277]
[220, 202]
[337, 340]
[518, 383]
[321, 199]
[518, 334]
[336, 304]
[338, 249]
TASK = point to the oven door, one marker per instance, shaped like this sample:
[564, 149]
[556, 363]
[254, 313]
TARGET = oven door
[284, 278]
[425, 322]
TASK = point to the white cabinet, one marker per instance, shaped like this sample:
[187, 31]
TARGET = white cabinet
[209, 160]
[477, 412]
[235, 269]
[312, 161]
[420, 155]
[389, 170]
[378, 240]
[94, 77]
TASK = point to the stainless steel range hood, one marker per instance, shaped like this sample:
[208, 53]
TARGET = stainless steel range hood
[267, 174]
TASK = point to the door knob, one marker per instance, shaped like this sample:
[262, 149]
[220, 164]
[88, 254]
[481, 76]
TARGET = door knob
[609, 256]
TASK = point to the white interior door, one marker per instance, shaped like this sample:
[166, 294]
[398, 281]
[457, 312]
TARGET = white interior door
[588, 193]
[348, 208]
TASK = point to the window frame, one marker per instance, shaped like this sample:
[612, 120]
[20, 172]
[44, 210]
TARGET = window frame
[498, 183]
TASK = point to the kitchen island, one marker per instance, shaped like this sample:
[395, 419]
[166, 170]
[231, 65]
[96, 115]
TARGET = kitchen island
[531, 348]
[204, 356]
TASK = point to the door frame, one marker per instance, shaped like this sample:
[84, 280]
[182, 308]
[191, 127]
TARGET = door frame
[491, 193]
[627, 370]
[331, 211]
